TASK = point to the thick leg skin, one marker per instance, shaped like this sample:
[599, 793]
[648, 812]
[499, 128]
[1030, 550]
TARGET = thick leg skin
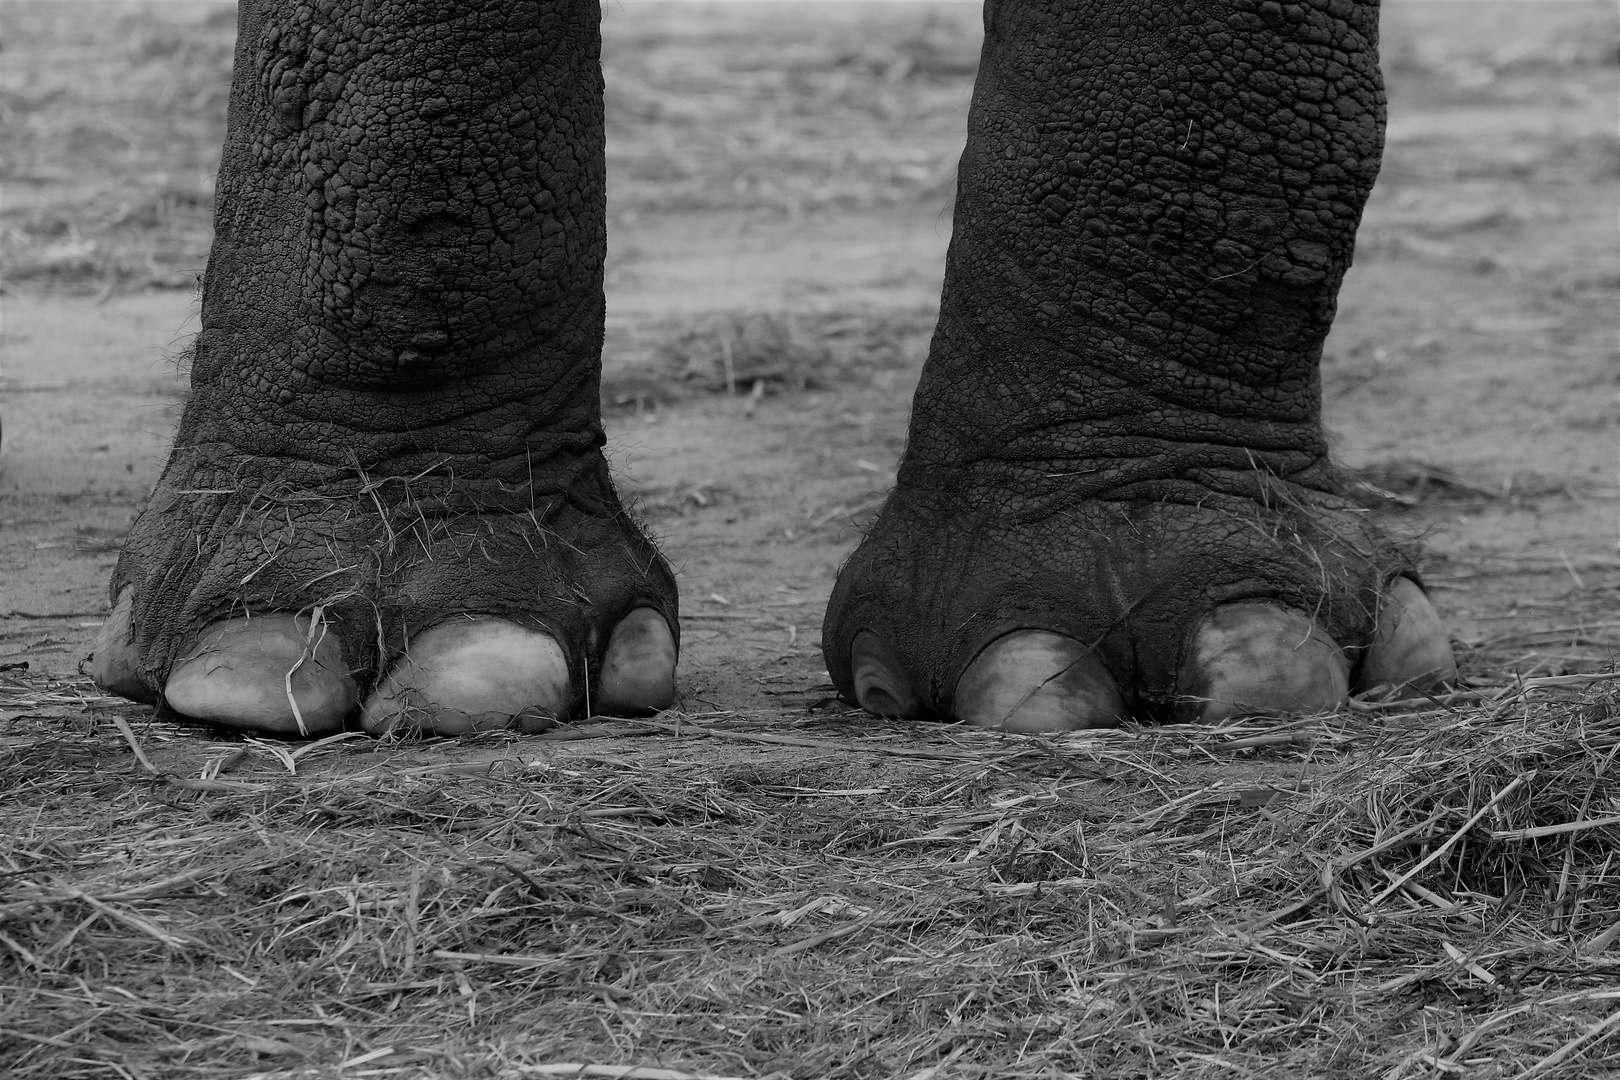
[1118, 432]
[394, 418]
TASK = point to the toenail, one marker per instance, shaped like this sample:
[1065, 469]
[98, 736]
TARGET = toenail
[638, 666]
[1035, 680]
[881, 685]
[472, 674]
[1255, 657]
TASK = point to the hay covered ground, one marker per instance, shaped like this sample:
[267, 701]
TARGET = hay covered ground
[761, 882]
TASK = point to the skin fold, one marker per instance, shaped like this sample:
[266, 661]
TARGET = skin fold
[387, 495]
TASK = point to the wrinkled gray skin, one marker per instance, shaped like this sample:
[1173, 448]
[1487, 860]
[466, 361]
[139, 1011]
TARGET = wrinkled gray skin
[1119, 426]
[395, 410]
[394, 414]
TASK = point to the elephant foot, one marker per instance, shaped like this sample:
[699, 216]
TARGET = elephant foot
[410, 618]
[1156, 629]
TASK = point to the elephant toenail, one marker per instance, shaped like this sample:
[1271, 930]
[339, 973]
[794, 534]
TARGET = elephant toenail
[1410, 651]
[638, 666]
[1255, 657]
[1034, 680]
[881, 686]
[279, 673]
[472, 674]
[115, 663]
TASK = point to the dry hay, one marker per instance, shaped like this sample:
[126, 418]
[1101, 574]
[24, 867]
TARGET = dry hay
[1378, 893]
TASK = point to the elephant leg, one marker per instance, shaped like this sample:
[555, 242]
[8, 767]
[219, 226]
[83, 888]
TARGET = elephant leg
[387, 496]
[1116, 497]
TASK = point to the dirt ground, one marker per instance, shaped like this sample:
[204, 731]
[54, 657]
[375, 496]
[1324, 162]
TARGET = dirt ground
[781, 180]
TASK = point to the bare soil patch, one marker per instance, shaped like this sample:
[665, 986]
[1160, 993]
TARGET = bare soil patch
[763, 882]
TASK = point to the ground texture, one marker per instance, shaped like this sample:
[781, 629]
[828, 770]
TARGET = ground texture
[761, 882]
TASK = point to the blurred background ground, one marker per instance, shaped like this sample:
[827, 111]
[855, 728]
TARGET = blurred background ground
[780, 185]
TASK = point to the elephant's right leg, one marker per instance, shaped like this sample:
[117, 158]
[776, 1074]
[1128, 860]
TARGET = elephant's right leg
[1116, 497]
[387, 492]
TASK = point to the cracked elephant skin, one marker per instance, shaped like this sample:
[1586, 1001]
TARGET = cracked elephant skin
[387, 498]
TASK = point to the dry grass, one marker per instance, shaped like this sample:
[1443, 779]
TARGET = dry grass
[1379, 893]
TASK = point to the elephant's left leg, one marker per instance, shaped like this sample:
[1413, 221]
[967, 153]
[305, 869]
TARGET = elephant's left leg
[1116, 496]
[387, 492]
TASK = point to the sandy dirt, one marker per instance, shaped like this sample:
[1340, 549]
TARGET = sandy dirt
[776, 248]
